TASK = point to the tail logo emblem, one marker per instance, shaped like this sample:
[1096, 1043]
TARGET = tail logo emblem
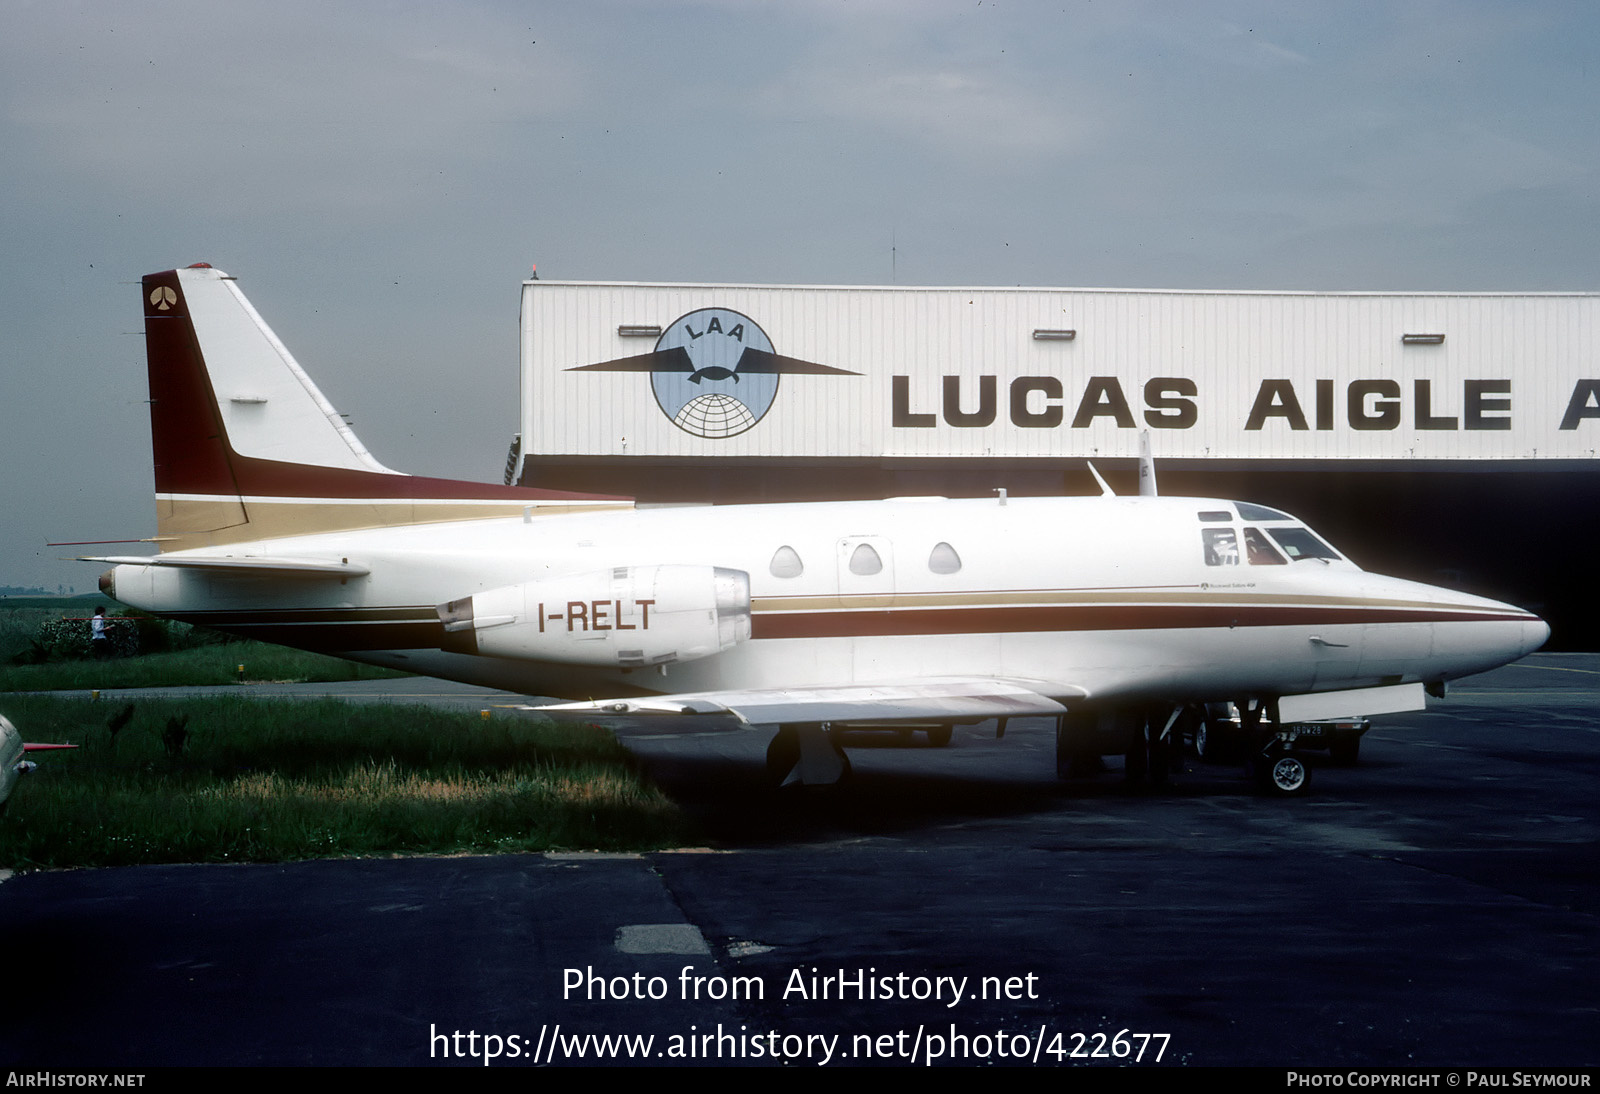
[714, 372]
[163, 297]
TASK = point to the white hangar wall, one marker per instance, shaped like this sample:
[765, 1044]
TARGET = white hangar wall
[989, 372]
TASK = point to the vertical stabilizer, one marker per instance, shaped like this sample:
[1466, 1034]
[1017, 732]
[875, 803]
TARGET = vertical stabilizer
[247, 448]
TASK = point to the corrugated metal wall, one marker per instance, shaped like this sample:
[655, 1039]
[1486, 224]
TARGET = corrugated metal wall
[1497, 388]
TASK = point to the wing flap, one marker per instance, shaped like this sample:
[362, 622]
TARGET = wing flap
[909, 701]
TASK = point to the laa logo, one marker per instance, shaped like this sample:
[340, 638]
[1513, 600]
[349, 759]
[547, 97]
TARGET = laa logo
[714, 372]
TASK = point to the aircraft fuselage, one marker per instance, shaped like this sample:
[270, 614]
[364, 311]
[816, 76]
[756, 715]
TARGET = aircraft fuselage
[1122, 598]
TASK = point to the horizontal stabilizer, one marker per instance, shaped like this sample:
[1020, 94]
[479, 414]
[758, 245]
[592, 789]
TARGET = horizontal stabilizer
[315, 567]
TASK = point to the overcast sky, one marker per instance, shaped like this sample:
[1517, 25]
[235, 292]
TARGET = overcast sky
[380, 178]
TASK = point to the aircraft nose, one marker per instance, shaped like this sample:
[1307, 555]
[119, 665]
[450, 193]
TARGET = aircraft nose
[1515, 633]
[1474, 634]
[1535, 633]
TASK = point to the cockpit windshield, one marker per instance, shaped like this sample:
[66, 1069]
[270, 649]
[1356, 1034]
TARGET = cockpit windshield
[1299, 543]
[1272, 538]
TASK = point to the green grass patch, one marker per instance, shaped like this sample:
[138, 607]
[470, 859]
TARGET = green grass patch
[253, 780]
[36, 655]
[217, 664]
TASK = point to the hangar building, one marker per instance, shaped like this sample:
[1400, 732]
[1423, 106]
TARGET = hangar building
[1449, 437]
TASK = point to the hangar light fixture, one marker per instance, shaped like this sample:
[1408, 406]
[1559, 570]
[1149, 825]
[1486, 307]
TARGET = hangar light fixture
[1422, 339]
[626, 331]
[1042, 334]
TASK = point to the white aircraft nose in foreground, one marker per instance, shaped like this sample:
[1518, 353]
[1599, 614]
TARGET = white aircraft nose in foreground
[1118, 615]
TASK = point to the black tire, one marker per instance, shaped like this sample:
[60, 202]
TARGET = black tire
[1159, 760]
[1345, 750]
[1284, 775]
[939, 736]
[782, 754]
[1215, 739]
[1135, 762]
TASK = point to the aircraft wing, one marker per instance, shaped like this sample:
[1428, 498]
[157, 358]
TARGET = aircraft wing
[944, 700]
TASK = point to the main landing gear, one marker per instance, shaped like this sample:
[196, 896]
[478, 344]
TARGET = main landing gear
[807, 754]
[1151, 741]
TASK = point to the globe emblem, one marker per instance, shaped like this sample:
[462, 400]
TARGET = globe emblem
[714, 372]
[714, 414]
[703, 382]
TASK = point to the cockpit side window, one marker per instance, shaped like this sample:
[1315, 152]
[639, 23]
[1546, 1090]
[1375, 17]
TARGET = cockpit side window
[1259, 551]
[786, 563]
[1221, 546]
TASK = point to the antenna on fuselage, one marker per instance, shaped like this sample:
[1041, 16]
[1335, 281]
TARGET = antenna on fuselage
[1147, 467]
[1105, 488]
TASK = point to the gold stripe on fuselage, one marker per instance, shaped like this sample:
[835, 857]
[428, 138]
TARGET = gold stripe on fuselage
[187, 521]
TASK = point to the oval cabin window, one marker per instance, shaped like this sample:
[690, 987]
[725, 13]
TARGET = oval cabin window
[786, 563]
[943, 559]
[865, 561]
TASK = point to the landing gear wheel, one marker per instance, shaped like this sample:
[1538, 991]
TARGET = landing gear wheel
[1284, 775]
[1345, 750]
[1201, 741]
[846, 772]
[1063, 749]
[939, 736]
[782, 754]
[1077, 755]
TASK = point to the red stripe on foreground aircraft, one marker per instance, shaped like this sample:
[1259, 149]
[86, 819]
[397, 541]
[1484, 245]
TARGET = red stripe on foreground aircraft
[1122, 617]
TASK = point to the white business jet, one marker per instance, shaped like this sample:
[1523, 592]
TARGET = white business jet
[1116, 615]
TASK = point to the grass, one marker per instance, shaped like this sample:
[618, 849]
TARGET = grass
[218, 664]
[248, 780]
[199, 662]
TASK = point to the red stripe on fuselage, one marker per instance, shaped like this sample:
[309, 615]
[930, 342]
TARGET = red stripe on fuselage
[334, 629]
[1092, 617]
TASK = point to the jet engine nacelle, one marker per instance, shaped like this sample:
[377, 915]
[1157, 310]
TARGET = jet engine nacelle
[627, 616]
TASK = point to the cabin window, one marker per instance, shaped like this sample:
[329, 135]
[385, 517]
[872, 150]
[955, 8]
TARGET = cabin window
[1259, 551]
[1214, 515]
[943, 559]
[1222, 546]
[864, 561]
[786, 563]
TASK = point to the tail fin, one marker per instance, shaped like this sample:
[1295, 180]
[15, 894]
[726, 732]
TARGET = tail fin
[247, 448]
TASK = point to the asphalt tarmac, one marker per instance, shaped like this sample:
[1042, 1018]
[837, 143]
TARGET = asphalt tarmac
[1434, 905]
